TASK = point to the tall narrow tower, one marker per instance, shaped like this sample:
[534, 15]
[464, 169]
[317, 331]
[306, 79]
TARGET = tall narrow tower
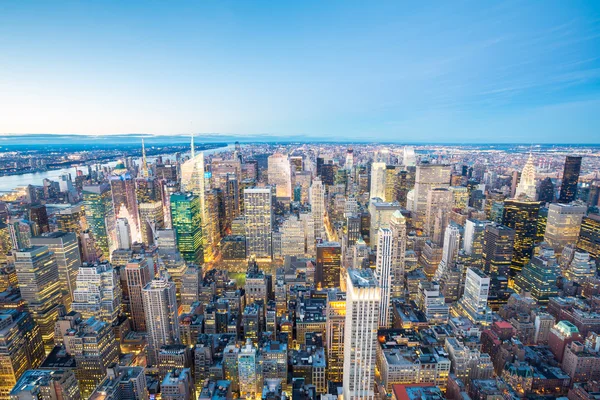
[383, 273]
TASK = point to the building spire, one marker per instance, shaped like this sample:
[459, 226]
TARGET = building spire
[144, 161]
[193, 153]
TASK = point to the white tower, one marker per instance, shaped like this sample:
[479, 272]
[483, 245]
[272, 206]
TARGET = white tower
[383, 273]
[526, 185]
[317, 203]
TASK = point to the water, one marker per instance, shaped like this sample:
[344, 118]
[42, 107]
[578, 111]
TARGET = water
[10, 183]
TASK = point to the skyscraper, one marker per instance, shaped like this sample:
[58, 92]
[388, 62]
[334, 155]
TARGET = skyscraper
[100, 215]
[568, 188]
[428, 176]
[151, 219]
[439, 204]
[398, 229]
[248, 374]
[259, 221]
[37, 272]
[125, 204]
[336, 319]
[137, 274]
[65, 247]
[280, 175]
[473, 303]
[383, 273]
[522, 217]
[378, 179]
[317, 203]
[363, 298]
[123, 230]
[186, 219]
[526, 186]
[328, 266]
[98, 292]
[589, 236]
[160, 307]
[498, 244]
[563, 225]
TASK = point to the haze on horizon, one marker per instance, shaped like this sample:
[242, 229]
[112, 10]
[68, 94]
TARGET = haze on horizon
[467, 71]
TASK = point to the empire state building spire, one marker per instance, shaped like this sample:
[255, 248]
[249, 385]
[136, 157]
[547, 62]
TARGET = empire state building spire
[144, 171]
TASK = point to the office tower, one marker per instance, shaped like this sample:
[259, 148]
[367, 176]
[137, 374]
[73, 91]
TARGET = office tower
[317, 203]
[378, 179]
[39, 284]
[39, 216]
[329, 262]
[293, 240]
[392, 183]
[449, 250]
[568, 188]
[383, 274]
[430, 258]
[539, 276]
[460, 196]
[563, 225]
[427, 177]
[526, 186]
[336, 318]
[178, 385]
[122, 383]
[280, 175]
[522, 217]
[580, 268]
[123, 234]
[151, 220]
[363, 298]
[98, 292]
[432, 303]
[409, 159]
[160, 307]
[46, 385]
[186, 219]
[406, 182]
[259, 221]
[473, 303]
[398, 229]
[100, 216]
[65, 247]
[248, 374]
[138, 274]
[546, 193]
[125, 204]
[589, 236]
[473, 238]
[380, 217]
[349, 164]
[439, 204]
[21, 348]
[190, 287]
[273, 359]
[498, 244]
[94, 349]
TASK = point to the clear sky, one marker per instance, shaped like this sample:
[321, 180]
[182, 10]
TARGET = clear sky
[472, 71]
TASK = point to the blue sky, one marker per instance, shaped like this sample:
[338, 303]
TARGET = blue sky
[464, 71]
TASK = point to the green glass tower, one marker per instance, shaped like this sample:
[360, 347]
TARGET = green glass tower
[100, 215]
[186, 218]
[539, 276]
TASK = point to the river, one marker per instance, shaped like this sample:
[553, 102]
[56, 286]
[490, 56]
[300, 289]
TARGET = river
[10, 183]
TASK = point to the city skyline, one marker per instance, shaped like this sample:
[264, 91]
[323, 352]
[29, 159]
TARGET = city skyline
[460, 73]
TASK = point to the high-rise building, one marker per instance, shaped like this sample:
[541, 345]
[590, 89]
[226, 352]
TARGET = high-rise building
[100, 215]
[39, 216]
[98, 292]
[473, 238]
[190, 287]
[151, 220]
[381, 217]
[432, 303]
[378, 180]
[498, 244]
[259, 221]
[398, 230]
[526, 186]
[539, 276]
[186, 219]
[439, 204]
[37, 272]
[363, 298]
[42, 384]
[137, 274]
[589, 236]
[21, 348]
[280, 175]
[248, 373]
[546, 192]
[580, 268]
[317, 203]
[449, 250]
[124, 237]
[473, 303]
[160, 307]
[65, 247]
[383, 274]
[178, 385]
[568, 188]
[329, 262]
[522, 217]
[563, 225]
[336, 318]
[427, 177]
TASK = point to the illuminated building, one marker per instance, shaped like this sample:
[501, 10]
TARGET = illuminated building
[122, 383]
[98, 292]
[474, 238]
[327, 273]
[125, 204]
[363, 298]
[151, 220]
[138, 274]
[65, 247]
[100, 216]
[432, 303]
[39, 283]
[186, 219]
[378, 180]
[383, 273]
[190, 284]
[568, 188]
[449, 251]
[497, 254]
[94, 348]
[427, 177]
[473, 303]
[522, 217]
[381, 216]
[178, 385]
[439, 204]
[21, 348]
[563, 225]
[123, 230]
[173, 356]
[293, 240]
[336, 318]
[280, 175]
[5, 242]
[317, 203]
[46, 385]
[580, 268]
[563, 333]
[71, 219]
[398, 230]
[259, 221]
[526, 186]
[39, 216]
[160, 307]
[460, 196]
[248, 374]
[391, 183]
[538, 277]
[589, 236]
[273, 361]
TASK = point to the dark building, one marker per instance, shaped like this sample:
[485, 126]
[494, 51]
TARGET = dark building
[546, 192]
[38, 214]
[568, 189]
[522, 217]
[498, 243]
[589, 236]
[233, 247]
[353, 225]
[328, 265]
